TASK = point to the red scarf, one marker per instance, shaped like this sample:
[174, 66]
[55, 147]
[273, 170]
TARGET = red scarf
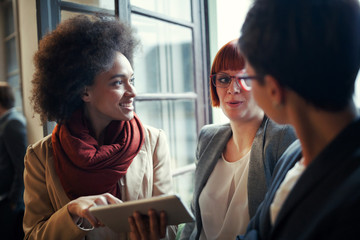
[84, 167]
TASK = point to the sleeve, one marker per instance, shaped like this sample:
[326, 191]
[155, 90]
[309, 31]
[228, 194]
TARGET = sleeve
[41, 220]
[16, 143]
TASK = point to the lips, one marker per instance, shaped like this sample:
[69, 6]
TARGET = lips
[234, 103]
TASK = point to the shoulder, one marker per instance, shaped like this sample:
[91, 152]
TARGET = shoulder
[16, 116]
[291, 155]
[279, 136]
[15, 120]
[280, 129]
[211, 130]
[41, 149]
[155, 138]
[152, 134]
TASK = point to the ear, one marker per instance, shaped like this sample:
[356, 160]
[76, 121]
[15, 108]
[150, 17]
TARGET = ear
[86, 96]
[275, 91]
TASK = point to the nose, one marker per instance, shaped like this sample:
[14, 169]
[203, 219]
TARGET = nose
[234, 87]
[130, 90]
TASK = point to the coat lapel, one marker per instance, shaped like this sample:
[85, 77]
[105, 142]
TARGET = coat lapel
[211, 146]
[135, 175]
[211, 153]
[256, 178]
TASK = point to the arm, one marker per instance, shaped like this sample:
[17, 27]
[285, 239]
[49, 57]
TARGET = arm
[41, 219]
[16, 143]
[45, 220]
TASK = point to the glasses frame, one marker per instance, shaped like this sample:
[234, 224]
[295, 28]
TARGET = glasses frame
[239, 79]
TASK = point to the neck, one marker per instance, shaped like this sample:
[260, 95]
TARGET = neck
[97, 125]
[243, 136]
[316, 128]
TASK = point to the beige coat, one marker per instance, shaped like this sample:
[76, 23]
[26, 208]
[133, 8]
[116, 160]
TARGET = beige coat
[46, 215]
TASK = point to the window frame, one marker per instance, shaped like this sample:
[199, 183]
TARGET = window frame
[4, 74]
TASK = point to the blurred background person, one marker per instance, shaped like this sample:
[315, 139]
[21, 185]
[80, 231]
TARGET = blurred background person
[13, 143]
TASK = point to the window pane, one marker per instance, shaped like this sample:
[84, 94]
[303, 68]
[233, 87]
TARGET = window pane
[14, 81]
[66, 14]
[106, 4]
[357, 91]
[184, 186]
[177, 119]
[11, 59]
[165, 62]
[9, 19]
[18, 99]
[175, 8]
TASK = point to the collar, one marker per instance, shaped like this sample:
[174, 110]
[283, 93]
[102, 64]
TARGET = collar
[7, 113]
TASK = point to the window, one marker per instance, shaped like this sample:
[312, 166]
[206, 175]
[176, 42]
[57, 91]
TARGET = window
[9, 49]
[171, 68]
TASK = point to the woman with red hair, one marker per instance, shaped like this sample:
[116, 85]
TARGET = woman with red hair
[235, 160]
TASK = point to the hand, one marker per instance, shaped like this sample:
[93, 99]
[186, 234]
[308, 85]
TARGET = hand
[147, 227]
[79, 208]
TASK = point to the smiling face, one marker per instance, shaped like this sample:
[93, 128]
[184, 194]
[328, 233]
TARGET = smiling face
[112, 94]
[236, 103]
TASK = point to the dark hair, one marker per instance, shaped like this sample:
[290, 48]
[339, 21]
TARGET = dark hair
[70, 57]
[7, 99]
[309, 46]
[227, 58]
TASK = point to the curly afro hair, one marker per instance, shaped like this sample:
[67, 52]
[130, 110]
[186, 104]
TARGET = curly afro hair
[70, 57]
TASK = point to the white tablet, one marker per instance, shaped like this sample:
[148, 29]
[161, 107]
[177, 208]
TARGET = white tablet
[115, 216]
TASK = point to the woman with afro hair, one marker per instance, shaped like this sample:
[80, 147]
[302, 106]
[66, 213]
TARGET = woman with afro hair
[99, 152]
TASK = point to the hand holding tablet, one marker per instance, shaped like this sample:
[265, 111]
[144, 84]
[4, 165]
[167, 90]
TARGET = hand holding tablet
[115, 216]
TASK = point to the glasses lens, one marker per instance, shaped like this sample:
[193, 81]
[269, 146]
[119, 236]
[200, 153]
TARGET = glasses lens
[246, 83]
[222, 80]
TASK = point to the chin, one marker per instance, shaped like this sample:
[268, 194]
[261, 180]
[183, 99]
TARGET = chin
[128, 117]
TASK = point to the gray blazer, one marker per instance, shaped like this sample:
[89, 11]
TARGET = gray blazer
[270, 142]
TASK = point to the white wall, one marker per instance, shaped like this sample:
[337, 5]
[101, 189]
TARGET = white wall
[357, 91]
[230, 17]
[28, 46]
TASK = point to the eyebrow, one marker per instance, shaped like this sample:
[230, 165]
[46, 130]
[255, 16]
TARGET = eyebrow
[121, 76]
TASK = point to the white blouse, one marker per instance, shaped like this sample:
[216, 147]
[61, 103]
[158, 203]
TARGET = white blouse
[224, 200]
[285, 188]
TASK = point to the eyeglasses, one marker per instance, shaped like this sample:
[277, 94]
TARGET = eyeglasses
[223, 80]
